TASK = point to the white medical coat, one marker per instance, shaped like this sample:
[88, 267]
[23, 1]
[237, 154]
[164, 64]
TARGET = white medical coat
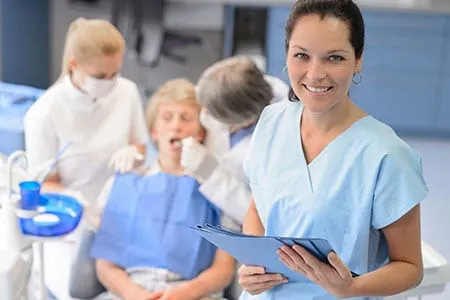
[228, 186]
[96, 129]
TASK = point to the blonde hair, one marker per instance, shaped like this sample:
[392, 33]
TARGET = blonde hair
[89, 39]
[175, 90]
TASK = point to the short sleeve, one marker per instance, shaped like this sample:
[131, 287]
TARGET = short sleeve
[94, 215]
[399, 186]
[139, 130]
[41, 142]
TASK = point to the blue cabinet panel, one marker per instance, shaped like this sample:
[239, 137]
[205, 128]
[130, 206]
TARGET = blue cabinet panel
[446, 64]
[443, 111]
[404, 49]
[443, 119]
[25, 42]
[412, 21]
[228, 34]
[275, 40]
[405, 102]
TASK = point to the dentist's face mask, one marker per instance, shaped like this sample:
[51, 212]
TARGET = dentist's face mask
[98, 88]
[218, 134]
[212, 124]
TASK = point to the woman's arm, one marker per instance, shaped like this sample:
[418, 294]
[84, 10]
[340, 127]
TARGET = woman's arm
[52, 184]
[252, 222]
[214, 279]
[405, 269]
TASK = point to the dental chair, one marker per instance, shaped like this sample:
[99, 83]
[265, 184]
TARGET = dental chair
[84, 283]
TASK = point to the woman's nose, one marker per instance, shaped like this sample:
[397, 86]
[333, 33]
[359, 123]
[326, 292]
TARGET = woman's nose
[316, 71]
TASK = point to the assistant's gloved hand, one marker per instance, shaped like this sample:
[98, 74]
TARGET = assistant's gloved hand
[124, 159]
[196, 160]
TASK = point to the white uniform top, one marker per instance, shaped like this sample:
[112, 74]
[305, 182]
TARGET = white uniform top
[96, 128]
[228, 187]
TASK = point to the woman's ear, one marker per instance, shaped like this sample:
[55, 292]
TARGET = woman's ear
[72, 64]
[358, 67]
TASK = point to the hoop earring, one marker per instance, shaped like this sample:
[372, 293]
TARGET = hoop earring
[357, 77]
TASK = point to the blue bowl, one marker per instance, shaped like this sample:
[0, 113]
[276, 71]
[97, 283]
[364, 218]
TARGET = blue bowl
[66, 209]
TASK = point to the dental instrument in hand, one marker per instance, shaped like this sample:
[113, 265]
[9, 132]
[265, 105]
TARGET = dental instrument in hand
[42, 175]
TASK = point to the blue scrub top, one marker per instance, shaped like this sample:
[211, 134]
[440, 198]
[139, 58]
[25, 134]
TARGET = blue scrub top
[239, 135]
[364, 180]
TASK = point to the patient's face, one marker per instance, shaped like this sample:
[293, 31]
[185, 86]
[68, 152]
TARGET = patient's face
[174, 122]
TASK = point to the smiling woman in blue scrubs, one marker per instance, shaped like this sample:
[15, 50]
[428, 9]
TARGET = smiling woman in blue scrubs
[320, 167]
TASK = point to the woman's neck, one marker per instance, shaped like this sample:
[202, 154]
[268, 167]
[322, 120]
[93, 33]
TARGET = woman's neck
[337, 118]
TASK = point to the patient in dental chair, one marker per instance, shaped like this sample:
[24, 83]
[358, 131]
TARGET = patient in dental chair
[144, 248]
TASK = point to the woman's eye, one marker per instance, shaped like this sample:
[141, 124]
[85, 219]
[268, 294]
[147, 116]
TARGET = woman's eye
[336, 58]
[301, 55]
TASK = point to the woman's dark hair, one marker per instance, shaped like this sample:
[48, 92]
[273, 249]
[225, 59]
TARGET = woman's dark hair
[344, 10]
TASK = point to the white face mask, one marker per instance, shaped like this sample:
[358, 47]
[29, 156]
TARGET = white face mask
[218, 133]
[98, 88]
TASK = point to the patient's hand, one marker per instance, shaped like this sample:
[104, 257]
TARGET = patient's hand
[137, 292]
[180, 292]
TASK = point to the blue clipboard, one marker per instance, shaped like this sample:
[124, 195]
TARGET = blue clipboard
[262, 250]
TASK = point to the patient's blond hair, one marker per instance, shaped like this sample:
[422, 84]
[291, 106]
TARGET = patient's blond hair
[173, 91]
[87, 40]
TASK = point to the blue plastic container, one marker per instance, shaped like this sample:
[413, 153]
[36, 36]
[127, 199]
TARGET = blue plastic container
[30, 192]
[66, 214]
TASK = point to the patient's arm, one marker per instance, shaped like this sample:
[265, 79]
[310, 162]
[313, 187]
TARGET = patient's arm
[214, 279]
[116, 280]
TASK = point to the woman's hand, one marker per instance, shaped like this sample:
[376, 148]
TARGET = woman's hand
[254, 280]
[335, 277]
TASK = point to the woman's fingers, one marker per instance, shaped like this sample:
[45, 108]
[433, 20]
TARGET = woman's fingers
[250, 270]
[340, 267]
[254, 280]
[262, 287]
[294, 260]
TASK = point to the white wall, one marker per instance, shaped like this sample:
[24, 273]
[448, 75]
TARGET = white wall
[208, 18]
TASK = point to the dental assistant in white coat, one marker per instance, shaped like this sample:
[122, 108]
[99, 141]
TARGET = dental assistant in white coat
[100, 114]
[233, 93]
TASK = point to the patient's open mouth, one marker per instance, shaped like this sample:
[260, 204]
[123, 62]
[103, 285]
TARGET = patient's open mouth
[175, 142]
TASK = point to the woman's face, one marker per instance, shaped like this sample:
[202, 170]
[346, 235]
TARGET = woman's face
[97, 77]
[321, 62]
[102, 67]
